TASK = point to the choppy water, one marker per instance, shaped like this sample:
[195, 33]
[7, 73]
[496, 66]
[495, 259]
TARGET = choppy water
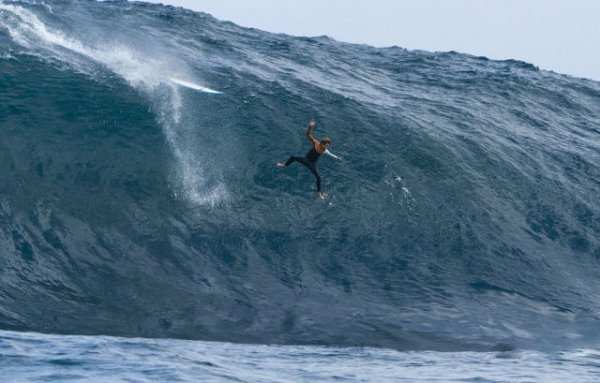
[29, 357]
[464, 216]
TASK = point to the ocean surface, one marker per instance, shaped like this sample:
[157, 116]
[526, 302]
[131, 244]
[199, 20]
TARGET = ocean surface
[139, 198]
[31, 357]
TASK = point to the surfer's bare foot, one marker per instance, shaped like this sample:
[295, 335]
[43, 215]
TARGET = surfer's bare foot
[280, 165]
[322, 195]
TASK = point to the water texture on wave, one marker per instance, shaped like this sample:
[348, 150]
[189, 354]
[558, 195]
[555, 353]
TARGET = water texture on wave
[465, 214]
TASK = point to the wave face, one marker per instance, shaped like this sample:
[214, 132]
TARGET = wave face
[464, 216]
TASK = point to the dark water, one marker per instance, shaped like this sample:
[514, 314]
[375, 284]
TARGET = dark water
[464, 216]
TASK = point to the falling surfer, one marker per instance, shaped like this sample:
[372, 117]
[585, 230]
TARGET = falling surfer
[319, 147]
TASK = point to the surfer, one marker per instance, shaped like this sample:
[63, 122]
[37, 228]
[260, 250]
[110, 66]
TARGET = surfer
[310, 160]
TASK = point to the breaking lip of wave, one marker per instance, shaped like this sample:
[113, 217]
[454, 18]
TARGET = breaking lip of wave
[153, 73]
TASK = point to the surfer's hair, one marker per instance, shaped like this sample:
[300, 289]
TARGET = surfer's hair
[326, 140]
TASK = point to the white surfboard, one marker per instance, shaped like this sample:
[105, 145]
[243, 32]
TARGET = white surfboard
[194, 86]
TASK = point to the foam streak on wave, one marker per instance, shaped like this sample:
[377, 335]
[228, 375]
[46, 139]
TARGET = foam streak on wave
[150, 72]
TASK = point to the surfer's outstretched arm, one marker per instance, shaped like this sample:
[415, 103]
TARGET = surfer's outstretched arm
[310, 132]
[332, 155]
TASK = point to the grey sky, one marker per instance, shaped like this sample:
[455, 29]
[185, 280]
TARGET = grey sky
[561, 35]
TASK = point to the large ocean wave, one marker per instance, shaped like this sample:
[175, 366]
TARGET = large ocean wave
[464, 215]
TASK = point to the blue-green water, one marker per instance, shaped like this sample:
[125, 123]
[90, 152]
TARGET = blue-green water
[464, 216]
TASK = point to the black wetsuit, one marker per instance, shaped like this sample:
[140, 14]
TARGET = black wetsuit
[310, 161]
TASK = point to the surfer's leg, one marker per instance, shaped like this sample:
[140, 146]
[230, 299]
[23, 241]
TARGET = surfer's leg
[315, 172]
[296, 159]
[310, 165]
[289, 162]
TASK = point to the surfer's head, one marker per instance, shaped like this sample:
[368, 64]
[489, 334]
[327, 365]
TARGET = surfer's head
[326, 141]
